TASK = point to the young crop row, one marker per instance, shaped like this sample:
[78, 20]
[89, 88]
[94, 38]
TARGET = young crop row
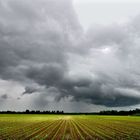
[70, 128]
[110, 130]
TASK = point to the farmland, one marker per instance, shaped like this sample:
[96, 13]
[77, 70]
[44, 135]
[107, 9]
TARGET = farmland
[68, 127]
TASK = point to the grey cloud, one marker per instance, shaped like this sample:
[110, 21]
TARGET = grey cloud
[38, 39]
[48, 75]
[29, 90]
[100, 92]
[4, 96]
[41, 41]
[107, 35]
[99, 96]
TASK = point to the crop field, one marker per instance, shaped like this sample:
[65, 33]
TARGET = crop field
[69, 127]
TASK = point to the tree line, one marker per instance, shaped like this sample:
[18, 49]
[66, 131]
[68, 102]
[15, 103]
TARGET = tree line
[106, 112]
[32, 112]
[122, 112]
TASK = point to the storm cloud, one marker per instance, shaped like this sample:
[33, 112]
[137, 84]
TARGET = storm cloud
[4, 96]
[44, 48]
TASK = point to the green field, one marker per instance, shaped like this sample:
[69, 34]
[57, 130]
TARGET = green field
[69, 127]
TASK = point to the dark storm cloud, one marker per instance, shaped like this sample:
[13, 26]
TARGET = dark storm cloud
[29, 90]
[102, 91]
[43, 47]
[35, 36]
[4, 96]
[49, 75]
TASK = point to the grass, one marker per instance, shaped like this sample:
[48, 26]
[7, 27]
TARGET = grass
[69, 127]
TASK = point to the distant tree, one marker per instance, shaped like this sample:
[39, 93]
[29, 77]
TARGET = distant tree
[27, 111]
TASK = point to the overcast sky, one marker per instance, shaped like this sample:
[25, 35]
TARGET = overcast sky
[105, 12]
[71, 55]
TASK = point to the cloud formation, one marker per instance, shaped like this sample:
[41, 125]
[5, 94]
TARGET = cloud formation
[43, 47]
[4, 96]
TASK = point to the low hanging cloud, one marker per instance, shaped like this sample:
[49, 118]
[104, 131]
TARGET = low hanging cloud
[29, 90]
[4, 96]
[42, 44]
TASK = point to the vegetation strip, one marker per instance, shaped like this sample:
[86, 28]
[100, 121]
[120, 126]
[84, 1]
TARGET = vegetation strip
[69, 127]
